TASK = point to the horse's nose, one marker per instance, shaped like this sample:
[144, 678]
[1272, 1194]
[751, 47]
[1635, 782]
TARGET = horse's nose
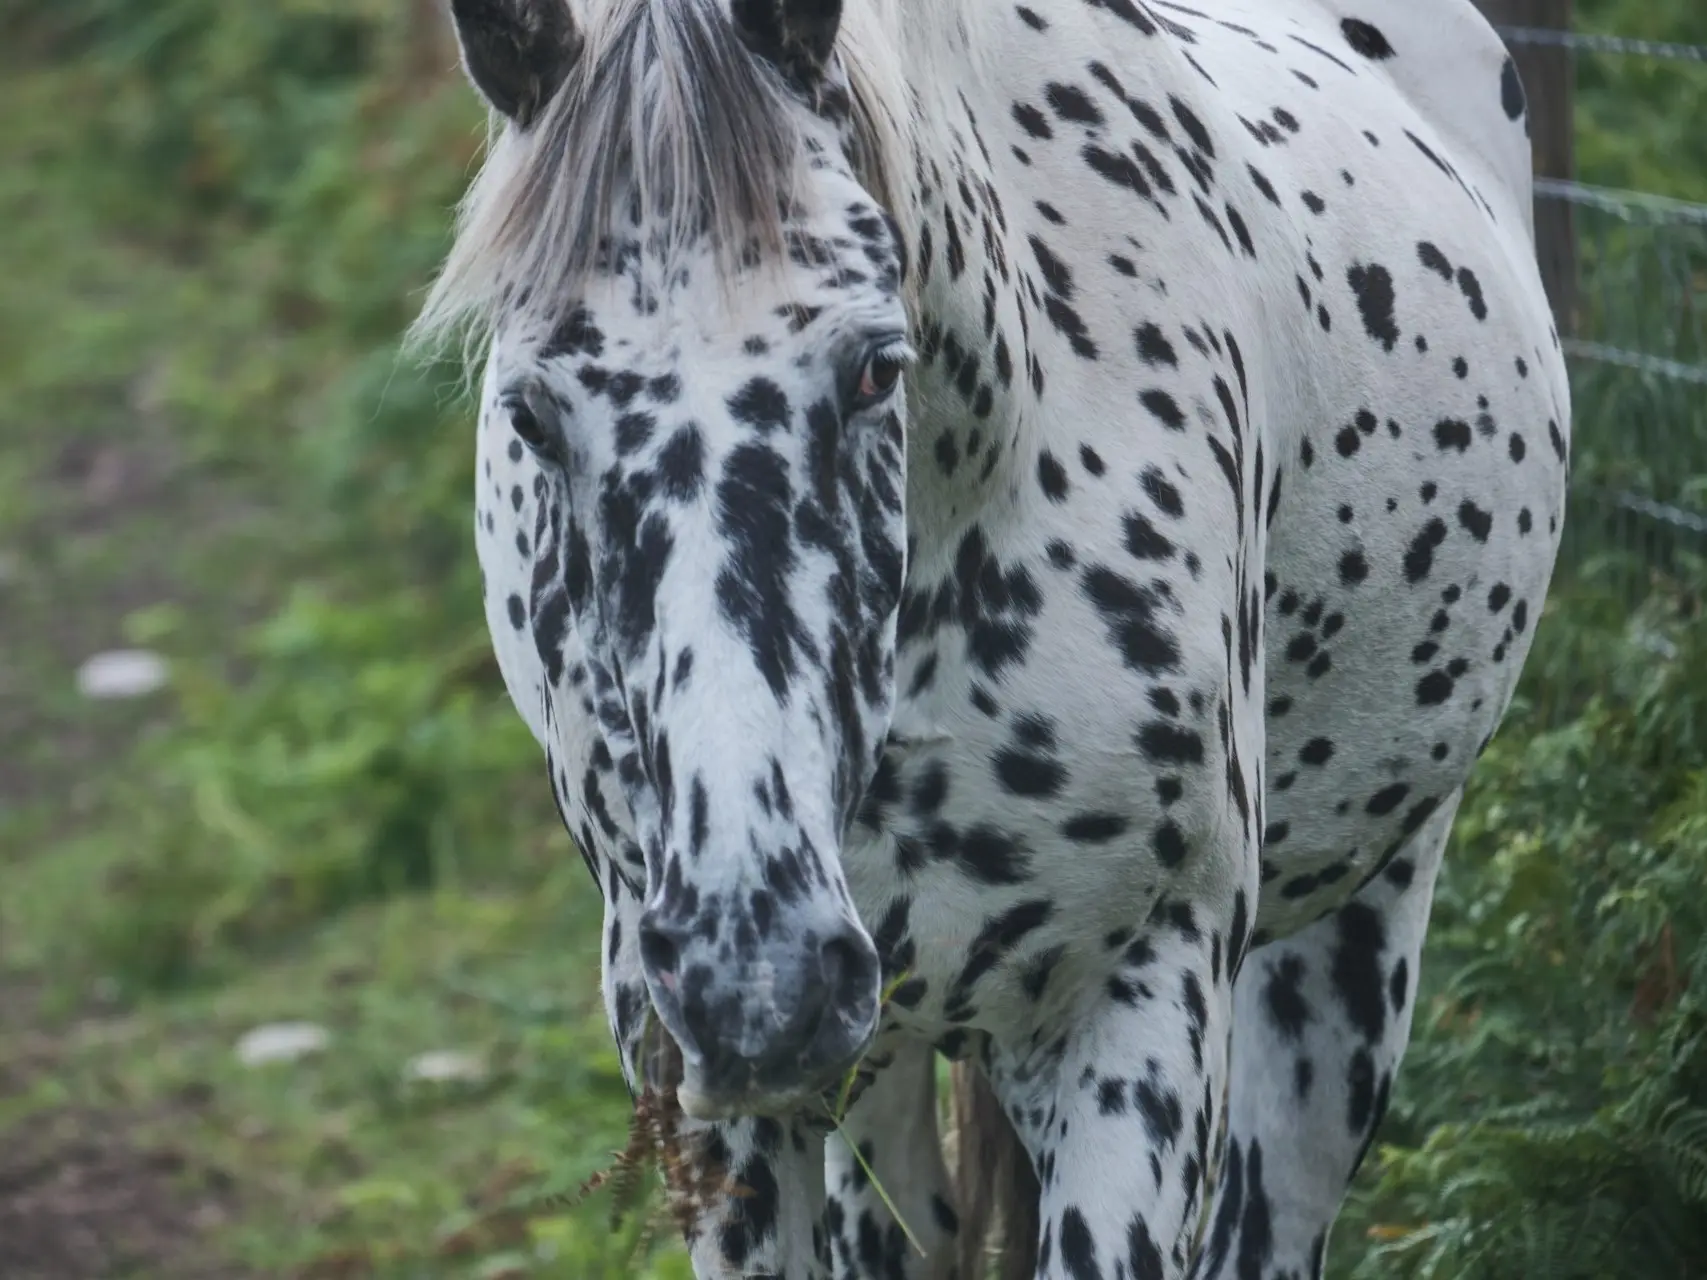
[769, 1029]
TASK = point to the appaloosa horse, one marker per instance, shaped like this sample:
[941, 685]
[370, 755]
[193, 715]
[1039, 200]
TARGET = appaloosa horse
[1011, 523]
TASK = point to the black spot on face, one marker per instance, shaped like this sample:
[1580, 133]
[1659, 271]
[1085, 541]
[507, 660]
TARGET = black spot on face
[681, 464]
[754, 497]
[760, 404]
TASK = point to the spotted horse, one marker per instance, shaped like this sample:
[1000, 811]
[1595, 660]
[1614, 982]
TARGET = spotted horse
[1011, 524]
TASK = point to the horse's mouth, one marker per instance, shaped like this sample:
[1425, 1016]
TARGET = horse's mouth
[665, 1071]
[723, 1104]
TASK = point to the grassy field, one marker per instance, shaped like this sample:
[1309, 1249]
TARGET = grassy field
[217, 221]
[207, 447]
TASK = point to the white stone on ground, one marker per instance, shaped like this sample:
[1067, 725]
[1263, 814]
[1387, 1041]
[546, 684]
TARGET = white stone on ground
[280, 1042]
[445, 1065]
[121, 673]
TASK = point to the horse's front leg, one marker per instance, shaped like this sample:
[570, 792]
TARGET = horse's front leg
[887, 1160]
[1124, 1114]
[767, 1223]
[751, 1194]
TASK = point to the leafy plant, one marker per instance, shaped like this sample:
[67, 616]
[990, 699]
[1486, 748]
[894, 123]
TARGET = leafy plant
[1551, 1118]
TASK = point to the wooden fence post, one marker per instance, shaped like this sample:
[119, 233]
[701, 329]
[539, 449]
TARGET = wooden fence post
[1549, 80]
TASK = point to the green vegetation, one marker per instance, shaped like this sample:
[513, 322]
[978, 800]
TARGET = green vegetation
[218, 220]
[1551, 1118]
[1637, 117]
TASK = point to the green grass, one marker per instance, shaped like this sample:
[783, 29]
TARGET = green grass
[339, 1154]
[208, 445]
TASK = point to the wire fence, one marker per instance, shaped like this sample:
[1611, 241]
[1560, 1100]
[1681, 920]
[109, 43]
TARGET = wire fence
[1637, 346]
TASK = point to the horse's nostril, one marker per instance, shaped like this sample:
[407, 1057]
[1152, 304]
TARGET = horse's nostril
[849, 970]
[659, 952]
[834, 959]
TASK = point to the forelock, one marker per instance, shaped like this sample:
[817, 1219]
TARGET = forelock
[665, 112]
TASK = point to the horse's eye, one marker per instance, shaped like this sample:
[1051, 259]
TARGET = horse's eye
[878, 378]
[529, 429]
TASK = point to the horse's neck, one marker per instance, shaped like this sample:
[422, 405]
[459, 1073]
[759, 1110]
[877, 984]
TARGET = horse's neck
[972, 398]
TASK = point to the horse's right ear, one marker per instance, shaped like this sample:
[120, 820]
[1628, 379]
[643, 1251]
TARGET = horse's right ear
[516, 52]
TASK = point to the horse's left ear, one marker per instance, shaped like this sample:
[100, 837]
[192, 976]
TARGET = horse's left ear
[516, 52]
[795, 35]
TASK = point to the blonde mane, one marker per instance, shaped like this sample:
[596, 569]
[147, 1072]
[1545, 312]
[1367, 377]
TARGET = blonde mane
[667, 99]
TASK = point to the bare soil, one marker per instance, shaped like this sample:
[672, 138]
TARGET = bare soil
[80, 1200]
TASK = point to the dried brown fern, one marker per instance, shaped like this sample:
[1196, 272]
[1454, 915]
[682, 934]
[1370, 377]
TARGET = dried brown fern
[694, 1185]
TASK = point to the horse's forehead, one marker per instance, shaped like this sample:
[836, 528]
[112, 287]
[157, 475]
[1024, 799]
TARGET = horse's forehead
[689, 321]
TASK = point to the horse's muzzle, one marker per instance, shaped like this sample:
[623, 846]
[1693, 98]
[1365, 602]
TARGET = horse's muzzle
[768, 1034]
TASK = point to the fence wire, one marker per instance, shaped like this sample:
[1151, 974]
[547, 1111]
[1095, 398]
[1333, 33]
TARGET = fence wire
[1637, 348]
[1588, 42]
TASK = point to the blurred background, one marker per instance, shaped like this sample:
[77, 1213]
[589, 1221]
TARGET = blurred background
[297, 969]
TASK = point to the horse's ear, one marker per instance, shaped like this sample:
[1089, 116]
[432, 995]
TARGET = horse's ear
[516, 52]
[796, 35]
